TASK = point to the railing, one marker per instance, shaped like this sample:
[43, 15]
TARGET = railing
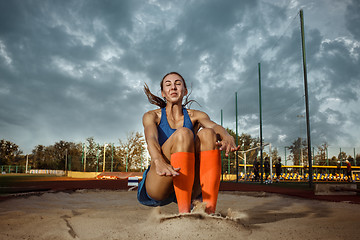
[13, 169]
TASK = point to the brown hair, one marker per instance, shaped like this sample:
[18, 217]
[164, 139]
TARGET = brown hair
[153, 99]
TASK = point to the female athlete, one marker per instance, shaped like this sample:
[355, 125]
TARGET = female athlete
[184, 146]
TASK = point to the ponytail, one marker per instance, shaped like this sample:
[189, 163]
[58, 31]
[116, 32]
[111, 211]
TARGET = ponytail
[153, 99]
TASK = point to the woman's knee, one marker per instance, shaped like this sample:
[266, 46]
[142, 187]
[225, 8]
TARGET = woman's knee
[206, 139]
[184, 140]
[184, 135]
[207, 133]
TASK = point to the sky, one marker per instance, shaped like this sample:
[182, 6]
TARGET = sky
[70, 70]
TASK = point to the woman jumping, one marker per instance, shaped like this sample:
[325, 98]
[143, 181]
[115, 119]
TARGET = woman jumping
[184, 146]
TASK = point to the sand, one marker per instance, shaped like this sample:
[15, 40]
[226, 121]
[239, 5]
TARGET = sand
[95, 214]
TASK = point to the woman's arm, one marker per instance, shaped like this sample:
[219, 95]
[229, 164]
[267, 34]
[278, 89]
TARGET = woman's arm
[151, 136]
[227, 142]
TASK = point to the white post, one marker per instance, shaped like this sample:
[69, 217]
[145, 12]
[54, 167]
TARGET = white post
[104, 158]
[244, 152]
[85, 158]
[245, 165]
[301, 157]
[27, 163]
[66, 160]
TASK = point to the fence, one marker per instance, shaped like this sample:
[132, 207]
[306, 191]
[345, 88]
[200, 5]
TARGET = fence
[296, 173]
[13, 169]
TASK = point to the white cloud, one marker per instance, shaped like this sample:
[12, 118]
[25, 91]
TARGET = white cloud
[4, 54]
[66, 67]
[108, 53]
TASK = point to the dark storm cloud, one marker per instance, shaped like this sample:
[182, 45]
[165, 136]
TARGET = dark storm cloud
[40, 36]
[282, 77]
[352, 18]
[340, 68]
[75, 69]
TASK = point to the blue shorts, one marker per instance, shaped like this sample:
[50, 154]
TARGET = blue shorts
[145, 199]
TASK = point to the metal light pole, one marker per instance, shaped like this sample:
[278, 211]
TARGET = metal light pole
[271, 163]
[261, 138]
[237, 140]
[222, 152]
[306, 99]
[301, 150]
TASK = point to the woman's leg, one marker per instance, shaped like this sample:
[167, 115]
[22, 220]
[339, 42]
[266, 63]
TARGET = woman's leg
[209, 167]
[178, 150]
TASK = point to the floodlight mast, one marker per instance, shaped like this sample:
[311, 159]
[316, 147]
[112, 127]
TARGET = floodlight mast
[261, 137]
[306, 99]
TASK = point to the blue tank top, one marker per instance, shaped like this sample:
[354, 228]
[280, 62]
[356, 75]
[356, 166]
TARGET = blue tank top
[164, 129]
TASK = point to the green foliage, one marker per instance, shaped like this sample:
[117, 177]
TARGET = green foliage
[298, 149]
[246, 142]
[274, 155]
[321, 157]
[9, 153]
[132, 152]
[54, 156]
[90, 155]
[357, 159]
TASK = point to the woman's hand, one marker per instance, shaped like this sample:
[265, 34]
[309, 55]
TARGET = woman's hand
[227, 144]
[165, 169]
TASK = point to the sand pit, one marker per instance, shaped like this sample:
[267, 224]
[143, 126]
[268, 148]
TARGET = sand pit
[92, 214]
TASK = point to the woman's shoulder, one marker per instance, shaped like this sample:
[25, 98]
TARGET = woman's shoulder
[196, 113]
[153, 114]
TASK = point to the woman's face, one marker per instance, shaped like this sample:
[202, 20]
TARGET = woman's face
[173, 88]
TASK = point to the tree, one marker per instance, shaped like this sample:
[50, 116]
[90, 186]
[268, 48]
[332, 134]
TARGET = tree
[274, 155]
[9, 153]
[246, 142]
[342, 157]
[299, 151]
[333, 161]
[131, 152]
[112, 158]
[321, 157]
[93, 152]
[38, 156]
[54, 156]
[74, 153]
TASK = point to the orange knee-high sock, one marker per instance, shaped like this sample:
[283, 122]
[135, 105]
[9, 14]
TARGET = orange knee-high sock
[183, 183]
[210, 171]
